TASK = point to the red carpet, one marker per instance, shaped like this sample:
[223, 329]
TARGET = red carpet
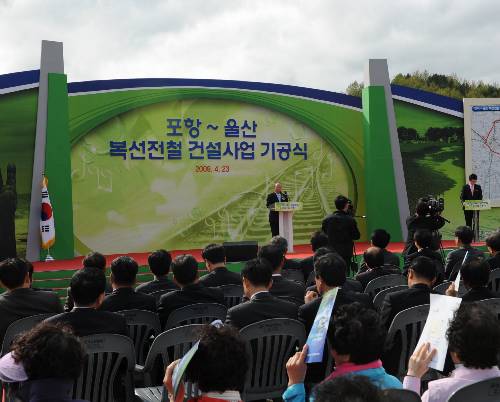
[301, 251]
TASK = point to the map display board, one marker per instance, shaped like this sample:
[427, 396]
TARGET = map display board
[482, 145]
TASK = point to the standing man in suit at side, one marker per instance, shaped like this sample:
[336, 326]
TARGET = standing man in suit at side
[276, 196]
[471, 191]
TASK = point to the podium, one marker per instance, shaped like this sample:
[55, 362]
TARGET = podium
[286, 210]
[476, 206]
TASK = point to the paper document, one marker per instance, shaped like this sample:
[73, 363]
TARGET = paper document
[441, 311]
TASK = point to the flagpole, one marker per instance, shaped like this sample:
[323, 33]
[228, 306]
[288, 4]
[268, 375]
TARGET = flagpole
[49, 257]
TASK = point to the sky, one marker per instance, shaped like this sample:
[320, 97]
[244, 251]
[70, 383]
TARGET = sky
[321, 44]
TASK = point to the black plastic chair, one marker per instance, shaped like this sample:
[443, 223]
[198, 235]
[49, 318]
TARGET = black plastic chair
[297, 302]
[142, 327]
[441, 288]
[18, 327]
[270, 343]
[493, 304]
[484, 391]
[166, 348]
[384, 282]
[406, 328]
[201, 313]
[494, 283]
[401, 395]
[151, 394]
[107, 374]
[295, 275]
[233, 294]
[380, 296]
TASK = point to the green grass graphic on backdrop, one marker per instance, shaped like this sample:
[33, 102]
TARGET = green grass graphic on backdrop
[138, 205]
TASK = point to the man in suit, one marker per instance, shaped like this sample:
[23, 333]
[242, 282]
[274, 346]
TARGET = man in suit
[87, 287]
[380, 238]
[318, 239]
[493, 244]
[475, 274]
[282, 244]
[124, 297]
[215, 261]
[374, 260]
[341, 229]
[159, 263]
[330, 273]
[455, 259]
[423, 243]
[276, 196]
[185, 270]
[92, 260]
[421, 279]
[20, 301]
[281, 287]
[471, 191]
[257, 280]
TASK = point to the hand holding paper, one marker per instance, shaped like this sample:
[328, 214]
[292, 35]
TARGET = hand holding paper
[441, 312]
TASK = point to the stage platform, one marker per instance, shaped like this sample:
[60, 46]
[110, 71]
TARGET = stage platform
[301, 251]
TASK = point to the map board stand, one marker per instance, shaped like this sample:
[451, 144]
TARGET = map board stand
[286, 210]
[476, 206]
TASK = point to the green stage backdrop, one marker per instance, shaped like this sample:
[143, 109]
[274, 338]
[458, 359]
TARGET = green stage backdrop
[166, 168]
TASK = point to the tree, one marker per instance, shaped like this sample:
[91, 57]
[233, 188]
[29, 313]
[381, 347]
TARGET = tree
[355, 88]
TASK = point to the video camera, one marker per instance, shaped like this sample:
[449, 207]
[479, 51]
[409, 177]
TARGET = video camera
[435, 204]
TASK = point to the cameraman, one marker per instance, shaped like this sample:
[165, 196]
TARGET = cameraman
[426, 217]
[341, 229]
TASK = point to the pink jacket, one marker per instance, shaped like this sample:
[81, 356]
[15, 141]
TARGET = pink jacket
[441, 390]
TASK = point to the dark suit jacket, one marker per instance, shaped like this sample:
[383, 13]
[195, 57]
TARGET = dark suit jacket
[307, 266]
[25, 302]
[191, 294]
[396, 302]
[494, 262]
[291, 263]
[220, 276]
[455, 258]
[262, 306]
[350, 285]
[128, 299]
[88, 321]
[68, 306]
[342, 230]
[286, 288]
[307, 314]
[271, 199]
[415, 222]
[389, 259]
[466, 194]
[434, 256]
[477, 294]
[158, 284]
[370, 274]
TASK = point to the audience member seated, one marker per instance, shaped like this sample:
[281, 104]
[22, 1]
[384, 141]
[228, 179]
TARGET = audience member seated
[282, 243]
[493, 244]
[421, 279]
[123, 278]
[357, 337]
[257, 280]
[215, 261]
[374, 260]
[185, 270]
[159, 263]
[219, 366]
[44, 362]
[350, 284]
[474, 344]
[318, 239]
[475, 274]
[454, 260]
[354, 388]
[380, 238]
[330, 272]
[31, 270]
[19, 300]
[93, 260]
[423, 242]
[87, 287]
[281, 287]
